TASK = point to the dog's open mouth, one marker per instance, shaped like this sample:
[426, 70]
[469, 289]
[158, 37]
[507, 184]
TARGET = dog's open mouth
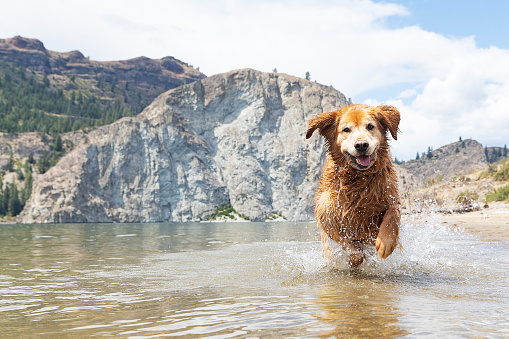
[361, 161]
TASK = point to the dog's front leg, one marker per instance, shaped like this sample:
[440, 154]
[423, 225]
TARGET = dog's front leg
[327, 253]
[355, 255]
[387, 239]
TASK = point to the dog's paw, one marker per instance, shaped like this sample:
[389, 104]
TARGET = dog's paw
[385, 246]
[355, 259]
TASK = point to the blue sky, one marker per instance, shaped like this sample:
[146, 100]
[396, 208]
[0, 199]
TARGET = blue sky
[487, 20]
[443, 64]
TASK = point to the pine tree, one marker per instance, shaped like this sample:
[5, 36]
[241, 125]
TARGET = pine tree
[5, 201]
[14, 204]
[43, 163]
[27, 187]
[429, 155]
[57, 146]
[19, 174]
[10, 164]
[31, 159]
[417, 157]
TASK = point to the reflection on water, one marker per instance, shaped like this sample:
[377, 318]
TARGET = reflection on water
[245, 280]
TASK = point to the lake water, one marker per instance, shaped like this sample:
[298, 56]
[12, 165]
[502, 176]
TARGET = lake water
[245, 280]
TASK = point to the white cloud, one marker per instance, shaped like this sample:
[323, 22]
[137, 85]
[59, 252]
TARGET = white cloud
[444, 87]
[408, 93]
[470, 99]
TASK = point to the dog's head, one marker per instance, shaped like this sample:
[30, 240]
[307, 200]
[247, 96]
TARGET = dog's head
[356, 133]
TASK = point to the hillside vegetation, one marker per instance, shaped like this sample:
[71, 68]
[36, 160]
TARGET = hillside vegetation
[467, 191]
[30, 102]
[53, 92]
[500, 172]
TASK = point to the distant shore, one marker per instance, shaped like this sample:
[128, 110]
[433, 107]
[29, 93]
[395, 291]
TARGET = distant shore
[490, 223]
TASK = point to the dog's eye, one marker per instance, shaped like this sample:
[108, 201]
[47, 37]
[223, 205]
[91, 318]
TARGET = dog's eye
[370, 127]
[346, 130]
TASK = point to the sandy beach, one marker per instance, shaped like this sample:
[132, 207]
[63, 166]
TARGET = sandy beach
[489, 223]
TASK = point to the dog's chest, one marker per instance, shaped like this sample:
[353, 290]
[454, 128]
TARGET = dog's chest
[355, 208]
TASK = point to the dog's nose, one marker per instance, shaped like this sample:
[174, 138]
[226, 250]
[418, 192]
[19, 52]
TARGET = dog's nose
[361, 146]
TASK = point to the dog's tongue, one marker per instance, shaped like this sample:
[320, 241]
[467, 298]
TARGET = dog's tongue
[364, 160]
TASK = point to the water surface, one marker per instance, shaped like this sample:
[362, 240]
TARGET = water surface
[245, 280]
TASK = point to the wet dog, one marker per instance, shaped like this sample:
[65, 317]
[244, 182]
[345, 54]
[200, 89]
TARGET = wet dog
[357, 202]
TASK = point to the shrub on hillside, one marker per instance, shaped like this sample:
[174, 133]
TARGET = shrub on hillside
[500, 194]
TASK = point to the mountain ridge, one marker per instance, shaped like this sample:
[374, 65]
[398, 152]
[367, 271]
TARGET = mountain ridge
[135, 82]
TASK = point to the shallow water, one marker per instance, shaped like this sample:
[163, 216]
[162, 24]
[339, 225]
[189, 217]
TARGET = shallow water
[245, 280]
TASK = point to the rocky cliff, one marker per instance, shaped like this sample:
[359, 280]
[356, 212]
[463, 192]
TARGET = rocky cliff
[235, 138]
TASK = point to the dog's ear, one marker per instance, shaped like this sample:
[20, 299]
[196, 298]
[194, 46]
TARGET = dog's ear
[389, 118]
[321, 121]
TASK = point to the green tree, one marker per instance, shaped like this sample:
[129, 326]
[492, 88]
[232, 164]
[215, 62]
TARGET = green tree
[31, 159]
[43, 163]
[27, 187]
[308, 76]
[19, 174]
[429, 155]
[14, 204]
[57, 145]
[45, 81]
[10, 164]
[4, 208]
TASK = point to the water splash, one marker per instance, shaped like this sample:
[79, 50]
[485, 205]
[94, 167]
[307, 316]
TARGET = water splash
[429, 249]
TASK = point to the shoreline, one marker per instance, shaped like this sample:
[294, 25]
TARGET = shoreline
[490, 223]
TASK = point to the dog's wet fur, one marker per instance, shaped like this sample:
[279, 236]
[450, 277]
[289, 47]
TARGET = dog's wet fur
[357, 202]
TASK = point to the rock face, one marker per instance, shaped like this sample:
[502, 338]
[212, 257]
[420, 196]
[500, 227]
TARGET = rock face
[235, 138]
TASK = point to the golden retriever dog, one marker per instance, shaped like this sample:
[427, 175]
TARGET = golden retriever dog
[357, 202]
